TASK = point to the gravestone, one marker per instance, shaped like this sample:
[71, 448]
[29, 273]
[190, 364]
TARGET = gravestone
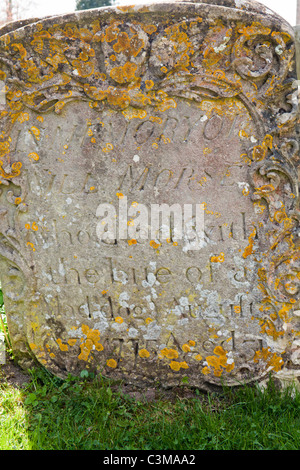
[149, 197]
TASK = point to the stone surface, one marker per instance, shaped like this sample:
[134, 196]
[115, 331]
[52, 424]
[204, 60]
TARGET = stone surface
[297, 39]
[177, 103]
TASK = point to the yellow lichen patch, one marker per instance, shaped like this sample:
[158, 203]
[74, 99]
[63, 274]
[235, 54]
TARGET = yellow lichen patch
[62, 347]
[91, 342]
[154, 244]
[149, 84]
[175, 365]
[119, 320]
[72, 341]
[270, 359]
[132, 242]
[155, 119]
[118, 98]
[149, 28]
[129, 46]
[169, 353]
[198, 357]
[260, 151]
[33, 156]
[249, 249]
[218, 258]
[94, 92]
[83, 69]
[216, 44]
[4, 148]
[111, 363]
[148, 320]
[124, 73]
[134, 113]
[144, 353]
[184, 365]
[23, 117]
[108, 148]
[218, 363]
[31, 246]
[186, 348]
[191, 342]
[268, 328]
[36, 132]
[165, 103]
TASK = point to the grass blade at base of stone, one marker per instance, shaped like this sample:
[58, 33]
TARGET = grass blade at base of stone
[85, 414]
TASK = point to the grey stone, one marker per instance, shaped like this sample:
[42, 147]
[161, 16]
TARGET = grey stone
[186, 104]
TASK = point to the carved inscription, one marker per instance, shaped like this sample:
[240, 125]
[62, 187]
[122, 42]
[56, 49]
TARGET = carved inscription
[119, 129]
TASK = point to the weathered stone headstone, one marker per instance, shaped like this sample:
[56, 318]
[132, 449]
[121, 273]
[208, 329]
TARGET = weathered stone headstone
[114, 117]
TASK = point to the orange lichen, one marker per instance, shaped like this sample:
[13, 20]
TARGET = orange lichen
[149, 28]
[175, 365]
[119, 320]
[249, 249]
[33, 156]
[4, 148]
[169, 353]
[268, 328]
[108, 147]
[149, 84]
[144, 353]
[154, 244]
[83, 69]
[91, 342]
[31, 246]
[62, 347]
[186, 348]
[36, 132]
[124, 73]
[132, 242]
[118, 98]
[131, 113]
[218, 363]
[111, 363]
[218, 258]
[271, 359]
[260, 151]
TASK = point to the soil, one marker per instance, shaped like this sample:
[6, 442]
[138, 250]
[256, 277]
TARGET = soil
[12, 374]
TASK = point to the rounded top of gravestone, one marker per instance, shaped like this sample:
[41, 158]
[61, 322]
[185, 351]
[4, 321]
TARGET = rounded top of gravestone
[243, 6]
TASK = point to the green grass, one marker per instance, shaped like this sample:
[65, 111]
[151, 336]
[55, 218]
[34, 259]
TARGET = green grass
[85, 414]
